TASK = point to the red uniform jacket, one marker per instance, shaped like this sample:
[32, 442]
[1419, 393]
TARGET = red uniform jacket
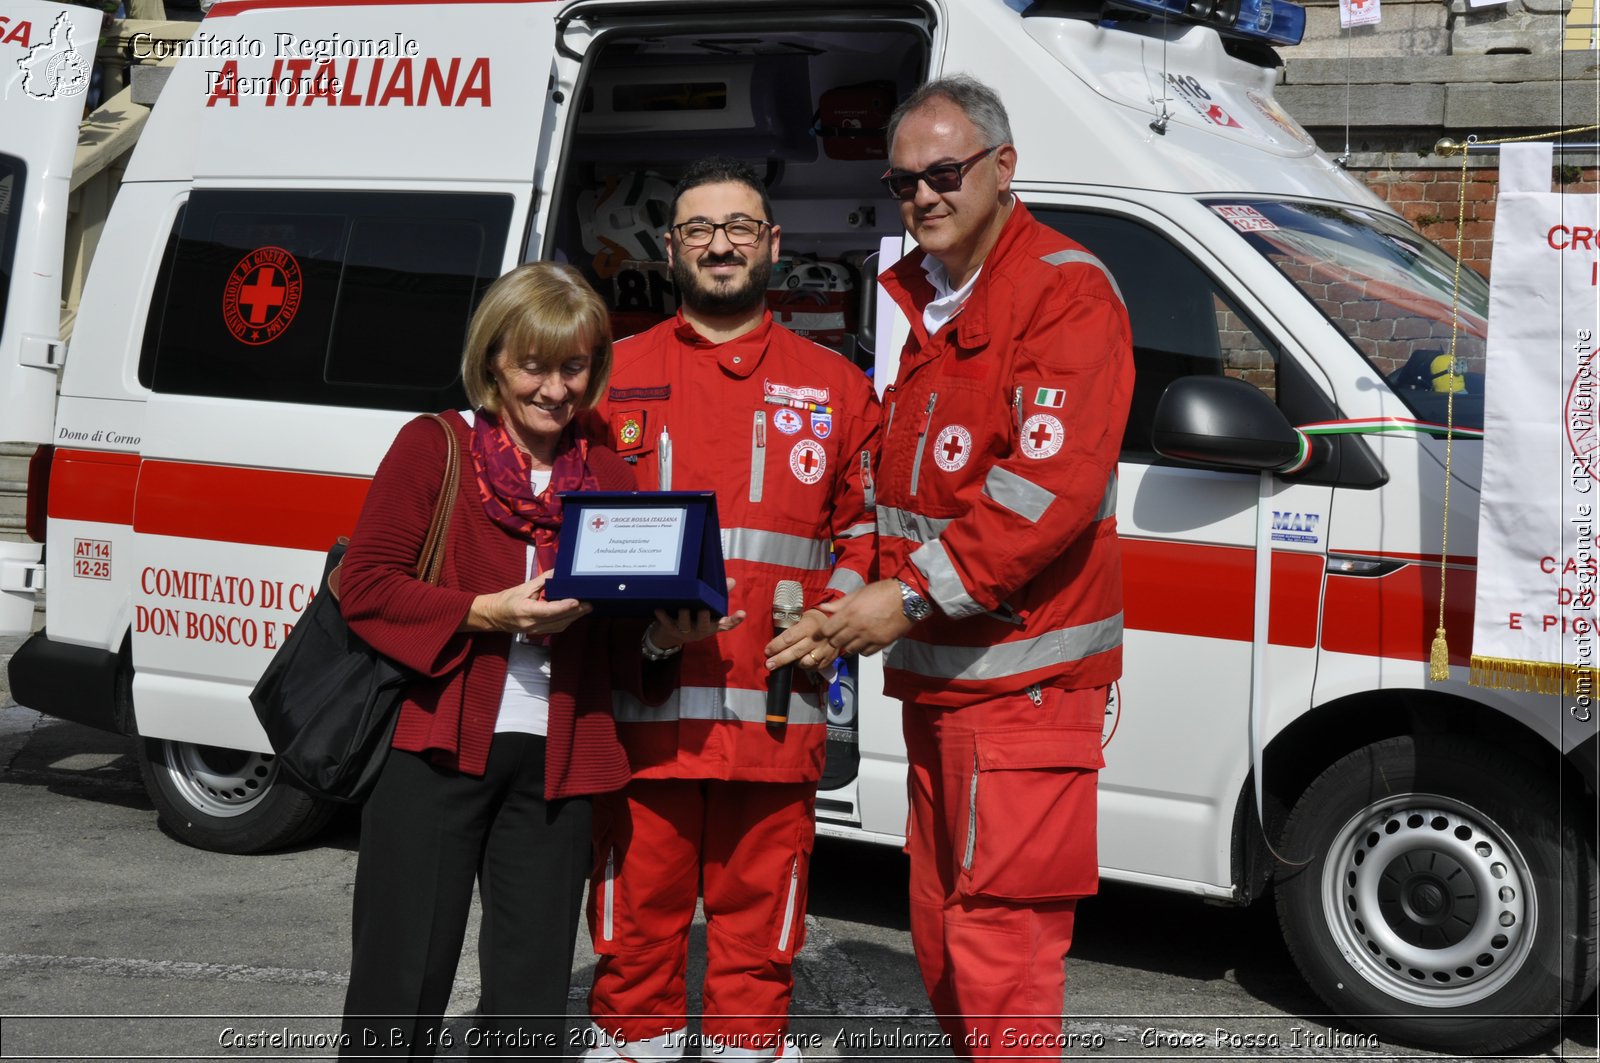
[997, 491]
[791, 479]
[451, 710]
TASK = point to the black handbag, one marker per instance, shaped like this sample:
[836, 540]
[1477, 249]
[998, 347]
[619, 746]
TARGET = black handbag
[327, 700]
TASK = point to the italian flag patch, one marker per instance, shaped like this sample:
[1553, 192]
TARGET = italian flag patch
[1050, 398]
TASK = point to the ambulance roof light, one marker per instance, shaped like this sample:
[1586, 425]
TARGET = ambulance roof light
[1269, 21]
[1264, 21]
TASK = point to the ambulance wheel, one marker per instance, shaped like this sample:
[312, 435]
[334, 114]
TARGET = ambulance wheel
[1446, 901]
[226, 800]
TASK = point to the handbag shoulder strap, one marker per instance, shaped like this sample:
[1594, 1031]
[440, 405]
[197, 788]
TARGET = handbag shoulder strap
[430, 560]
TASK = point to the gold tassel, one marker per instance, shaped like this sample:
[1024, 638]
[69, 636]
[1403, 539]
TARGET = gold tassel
[1439, 658]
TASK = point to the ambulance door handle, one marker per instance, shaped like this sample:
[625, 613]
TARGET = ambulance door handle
[42, 352]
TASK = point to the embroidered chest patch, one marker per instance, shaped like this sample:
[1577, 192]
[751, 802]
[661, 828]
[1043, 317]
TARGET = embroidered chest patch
[952, 447]
[786, 421]
[773, 390]
[1042, 436]
[627, 428]
[808, 461]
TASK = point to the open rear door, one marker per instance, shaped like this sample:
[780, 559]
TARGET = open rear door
[46, 52]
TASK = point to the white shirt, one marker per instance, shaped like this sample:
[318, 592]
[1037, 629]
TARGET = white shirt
[525, 702]
[947, 300]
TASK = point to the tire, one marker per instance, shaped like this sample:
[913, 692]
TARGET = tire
[226, 800]
[1447, 902]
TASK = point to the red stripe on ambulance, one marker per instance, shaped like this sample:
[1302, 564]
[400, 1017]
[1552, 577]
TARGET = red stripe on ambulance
[93, 485]
[1209, 591]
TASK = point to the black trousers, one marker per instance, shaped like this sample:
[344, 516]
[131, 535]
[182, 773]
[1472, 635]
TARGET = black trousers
[426, 834]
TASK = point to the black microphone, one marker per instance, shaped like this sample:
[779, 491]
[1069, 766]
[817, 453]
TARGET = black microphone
[788, 599]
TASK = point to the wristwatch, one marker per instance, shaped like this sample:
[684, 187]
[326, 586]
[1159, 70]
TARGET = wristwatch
[913, 605]
[651, 651]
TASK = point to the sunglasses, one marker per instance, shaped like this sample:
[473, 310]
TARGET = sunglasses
[945, 177]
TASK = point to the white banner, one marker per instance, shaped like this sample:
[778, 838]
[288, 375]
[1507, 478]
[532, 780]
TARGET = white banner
[1534, 625]
[1359, 13]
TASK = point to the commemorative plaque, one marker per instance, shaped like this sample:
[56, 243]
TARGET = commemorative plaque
[632, 552]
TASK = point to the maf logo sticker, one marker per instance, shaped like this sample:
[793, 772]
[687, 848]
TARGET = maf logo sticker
[1290, 527]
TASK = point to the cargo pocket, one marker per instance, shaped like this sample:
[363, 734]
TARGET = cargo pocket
[1029, 809]
[791, 907]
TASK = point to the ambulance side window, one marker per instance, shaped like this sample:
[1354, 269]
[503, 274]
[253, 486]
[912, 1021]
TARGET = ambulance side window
[333, 298]
[1183, 323]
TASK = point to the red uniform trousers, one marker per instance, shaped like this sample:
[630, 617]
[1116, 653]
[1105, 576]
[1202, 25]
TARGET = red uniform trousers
[1002, 843]
[749, 843]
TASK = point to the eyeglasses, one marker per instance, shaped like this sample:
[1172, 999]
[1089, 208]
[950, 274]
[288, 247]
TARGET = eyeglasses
[945, 177]
[740, 231]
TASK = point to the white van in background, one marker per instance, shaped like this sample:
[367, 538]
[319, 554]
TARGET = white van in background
[325, 189]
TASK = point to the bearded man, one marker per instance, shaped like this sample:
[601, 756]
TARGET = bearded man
[784, 431]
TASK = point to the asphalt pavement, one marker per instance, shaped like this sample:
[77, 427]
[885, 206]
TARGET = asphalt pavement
[121, 943]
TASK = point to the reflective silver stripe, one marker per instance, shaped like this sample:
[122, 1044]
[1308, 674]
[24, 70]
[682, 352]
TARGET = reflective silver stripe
[789, 905]
[902, 524]
[982, 663]
[845, 581]
[758, 456]
[715, 703]
[1108, 501]
[927, 423]
[866, 527]
[774, 548]
[607, 924]
[1020, 495]
[972, 817]
[944, 586]
[1061, 258]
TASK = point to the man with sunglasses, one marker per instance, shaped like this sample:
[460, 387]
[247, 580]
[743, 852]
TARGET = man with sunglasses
[1002, 607]
[785, 432]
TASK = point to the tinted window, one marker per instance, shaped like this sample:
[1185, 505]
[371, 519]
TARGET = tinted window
[336, 298]
[11, 175]
[1183, 323]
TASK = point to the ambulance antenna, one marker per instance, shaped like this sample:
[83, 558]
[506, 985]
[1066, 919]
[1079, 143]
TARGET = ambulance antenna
[1159, 125]
[1343, 160]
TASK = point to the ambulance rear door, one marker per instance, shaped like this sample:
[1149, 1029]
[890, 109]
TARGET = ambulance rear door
[46, 51]
[45, 56]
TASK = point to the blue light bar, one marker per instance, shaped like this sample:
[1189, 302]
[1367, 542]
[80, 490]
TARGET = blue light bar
[1274, 21]
[1271, 21]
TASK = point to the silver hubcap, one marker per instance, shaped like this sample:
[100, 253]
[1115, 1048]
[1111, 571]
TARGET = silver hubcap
[218, 782]
[1429, 900]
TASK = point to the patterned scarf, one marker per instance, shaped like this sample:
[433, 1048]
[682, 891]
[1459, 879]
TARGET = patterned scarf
[503, 470]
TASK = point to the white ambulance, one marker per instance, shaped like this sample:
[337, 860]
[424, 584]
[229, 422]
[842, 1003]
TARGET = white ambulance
[325, 188]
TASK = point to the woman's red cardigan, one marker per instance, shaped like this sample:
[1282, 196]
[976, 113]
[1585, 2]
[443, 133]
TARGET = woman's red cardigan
[450, 711]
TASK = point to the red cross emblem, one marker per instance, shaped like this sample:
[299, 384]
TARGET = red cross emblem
[262, 295]
[808, 461]
[598, 522]
[1042, 436]
[952, 447]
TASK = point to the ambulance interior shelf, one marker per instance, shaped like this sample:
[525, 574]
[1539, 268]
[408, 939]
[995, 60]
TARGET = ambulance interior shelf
[787, 99]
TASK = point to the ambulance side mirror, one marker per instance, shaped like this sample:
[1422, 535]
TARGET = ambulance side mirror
[1217, 420]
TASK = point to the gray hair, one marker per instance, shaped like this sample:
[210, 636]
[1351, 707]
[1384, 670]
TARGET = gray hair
[977, 101]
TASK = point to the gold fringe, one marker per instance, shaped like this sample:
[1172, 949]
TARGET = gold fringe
[1439, 657]
[1538, 677]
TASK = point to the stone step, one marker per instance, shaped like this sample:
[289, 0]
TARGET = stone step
[14, 458]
